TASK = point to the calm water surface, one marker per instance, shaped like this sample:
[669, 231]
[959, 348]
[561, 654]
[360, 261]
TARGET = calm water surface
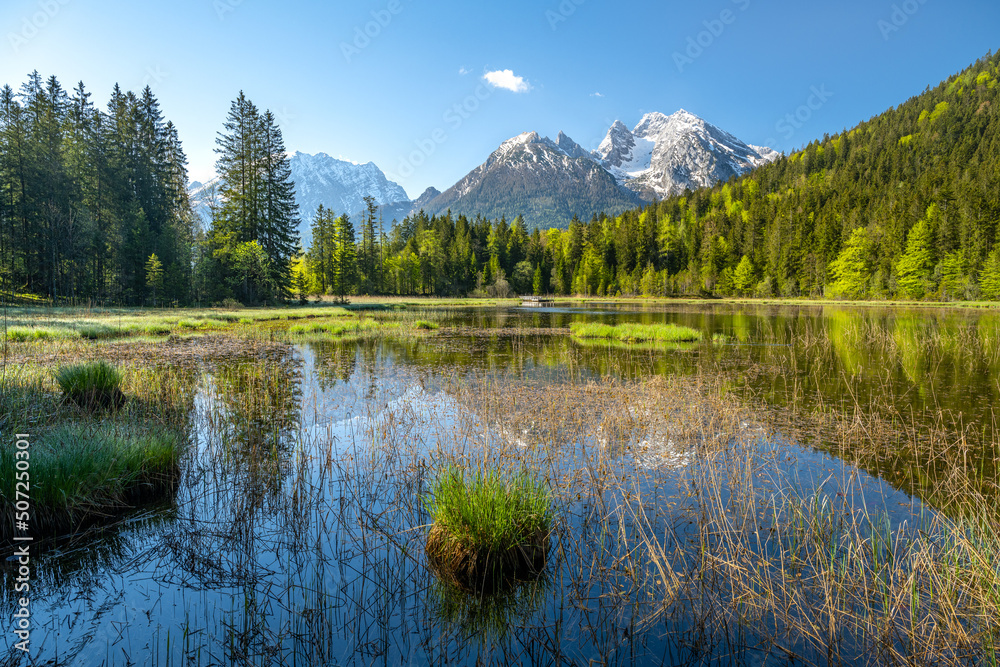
[296, 535]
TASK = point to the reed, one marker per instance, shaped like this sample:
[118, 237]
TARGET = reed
[626, 333]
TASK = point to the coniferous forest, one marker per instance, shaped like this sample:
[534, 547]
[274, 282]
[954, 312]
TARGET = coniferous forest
[93, 206]
[93, 203]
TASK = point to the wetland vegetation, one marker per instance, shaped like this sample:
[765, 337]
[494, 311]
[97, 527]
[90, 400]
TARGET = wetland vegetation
[796, 485]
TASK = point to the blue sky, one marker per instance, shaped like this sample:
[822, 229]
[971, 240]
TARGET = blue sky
[404, 83]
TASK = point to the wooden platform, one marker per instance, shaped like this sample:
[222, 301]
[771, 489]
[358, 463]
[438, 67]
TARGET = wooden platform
[536, 300]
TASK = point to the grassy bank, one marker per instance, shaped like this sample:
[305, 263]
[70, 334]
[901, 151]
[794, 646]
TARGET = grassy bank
[53, 326]
[102, 440]
[83, 474]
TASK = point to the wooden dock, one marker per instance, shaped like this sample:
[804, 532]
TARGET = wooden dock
[536, 300]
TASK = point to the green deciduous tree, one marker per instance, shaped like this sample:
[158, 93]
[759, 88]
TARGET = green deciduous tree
[743, 278]
[851, 271]
[989, 277]
[913, 271]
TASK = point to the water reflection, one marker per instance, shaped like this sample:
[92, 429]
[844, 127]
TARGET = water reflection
[297, 533]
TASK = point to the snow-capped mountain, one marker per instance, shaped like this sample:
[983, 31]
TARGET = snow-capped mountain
[664, 155]
[320, 179]
[203, 198]
[547, 182]
[339, 185]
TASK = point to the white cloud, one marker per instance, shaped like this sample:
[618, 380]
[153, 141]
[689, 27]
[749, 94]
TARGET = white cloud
[507, 80]
[597, 95]
[463, 71]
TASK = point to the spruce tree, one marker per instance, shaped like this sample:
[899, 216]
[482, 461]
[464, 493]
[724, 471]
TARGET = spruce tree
[279, 216]
[258, 203]
[345, 262]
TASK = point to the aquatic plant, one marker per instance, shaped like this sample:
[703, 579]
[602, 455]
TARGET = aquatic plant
[425, 325]
[488, 526]
[660, 333]
[93, 385]
[84, 473]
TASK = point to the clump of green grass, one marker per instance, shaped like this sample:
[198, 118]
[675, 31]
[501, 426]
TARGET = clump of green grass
[93, 386]
[157, 329]
[25, 334]
[19, 334]
[81, 475]
[97, 332]
[488, 526]
[424, 324]
[659, 333]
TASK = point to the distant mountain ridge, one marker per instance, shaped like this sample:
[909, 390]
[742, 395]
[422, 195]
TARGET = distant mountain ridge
[321, 179]
[548, 182]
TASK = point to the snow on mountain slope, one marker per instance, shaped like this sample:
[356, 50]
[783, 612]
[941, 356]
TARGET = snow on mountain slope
[320, 179]
[548, 182]
[664, 155]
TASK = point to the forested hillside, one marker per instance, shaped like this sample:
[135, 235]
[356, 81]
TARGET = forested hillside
[905, 205]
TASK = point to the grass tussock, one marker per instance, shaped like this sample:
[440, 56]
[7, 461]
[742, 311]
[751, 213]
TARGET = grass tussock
[636, 333]
[488, 526]
[92, 385]
[85, 473]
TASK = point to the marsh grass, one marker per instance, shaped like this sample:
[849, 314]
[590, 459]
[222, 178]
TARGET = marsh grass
[92, 386]
[488, 526]
[85, 473]
[637, 333]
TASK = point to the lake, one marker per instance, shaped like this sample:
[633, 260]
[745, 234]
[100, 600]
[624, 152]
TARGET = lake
[713, 501]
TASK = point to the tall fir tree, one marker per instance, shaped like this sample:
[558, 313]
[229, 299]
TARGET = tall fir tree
[258, 204]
